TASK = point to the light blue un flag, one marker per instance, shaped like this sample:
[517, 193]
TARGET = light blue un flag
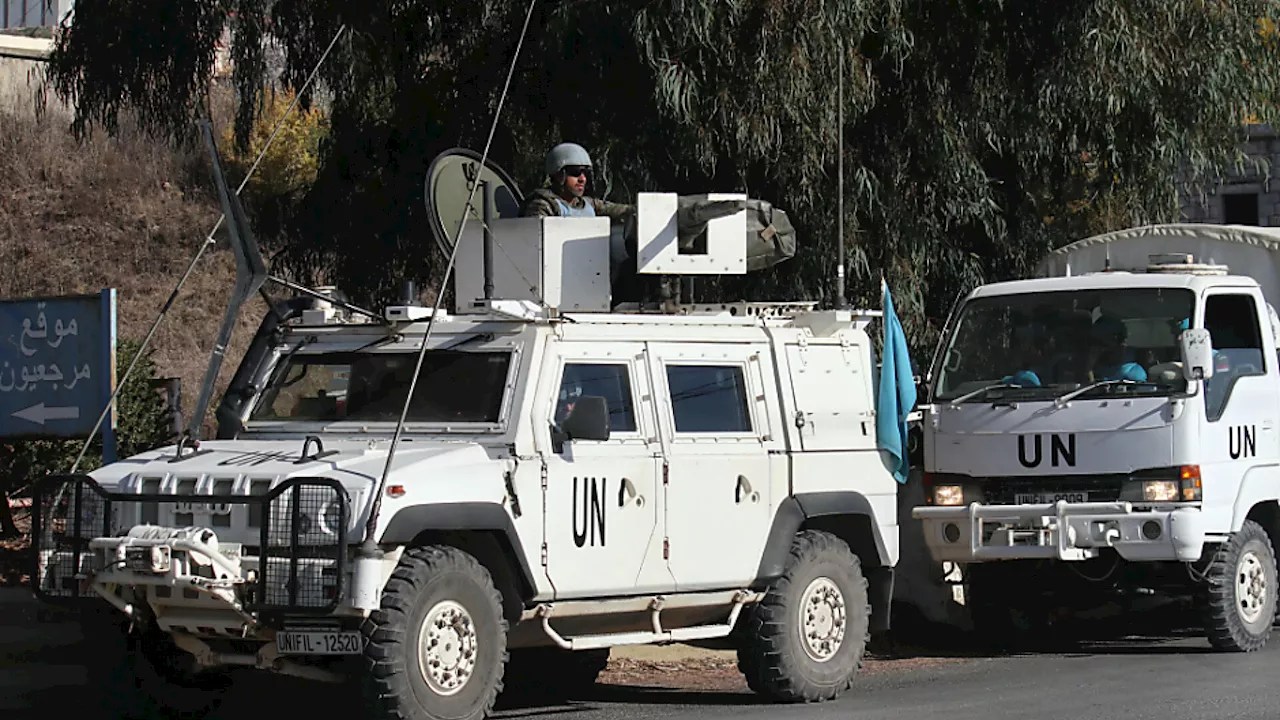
[897, 396]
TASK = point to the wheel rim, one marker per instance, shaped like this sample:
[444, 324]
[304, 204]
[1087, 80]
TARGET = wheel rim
[447, 648]
[822, 619]
[1251, 588]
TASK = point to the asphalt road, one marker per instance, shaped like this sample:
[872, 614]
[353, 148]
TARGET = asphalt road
[1166, 678]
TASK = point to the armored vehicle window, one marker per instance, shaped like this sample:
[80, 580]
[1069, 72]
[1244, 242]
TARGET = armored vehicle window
[453, 387]
[610, 381]
[708, 398]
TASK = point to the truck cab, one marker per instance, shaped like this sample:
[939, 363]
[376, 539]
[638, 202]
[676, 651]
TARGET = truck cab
[1112, 427]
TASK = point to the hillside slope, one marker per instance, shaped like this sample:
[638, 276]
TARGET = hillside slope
[126, 213]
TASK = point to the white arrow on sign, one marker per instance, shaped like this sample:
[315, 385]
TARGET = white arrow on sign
[38, 413]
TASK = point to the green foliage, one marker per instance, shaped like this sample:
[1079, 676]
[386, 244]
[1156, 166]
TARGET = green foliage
[290, 163]
[142, 423]
[978, 135]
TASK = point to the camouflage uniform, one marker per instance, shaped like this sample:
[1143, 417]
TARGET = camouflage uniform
[542, 203]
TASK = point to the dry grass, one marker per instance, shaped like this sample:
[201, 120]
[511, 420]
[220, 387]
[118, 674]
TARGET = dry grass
[126, 213]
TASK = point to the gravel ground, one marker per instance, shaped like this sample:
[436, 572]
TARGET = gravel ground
[720, 673]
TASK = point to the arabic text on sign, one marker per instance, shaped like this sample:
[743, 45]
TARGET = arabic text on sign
[29, 378]
[59, 332]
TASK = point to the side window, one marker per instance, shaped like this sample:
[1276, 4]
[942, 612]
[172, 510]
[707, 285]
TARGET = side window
[1232, 322]
[709, 398]
[611, 381]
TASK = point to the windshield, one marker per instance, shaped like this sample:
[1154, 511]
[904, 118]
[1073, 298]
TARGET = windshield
[453, 387]
[1046, 344]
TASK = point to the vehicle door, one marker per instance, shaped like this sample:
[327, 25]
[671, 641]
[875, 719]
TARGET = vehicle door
[1240, 400]
[602, 503]
[714, 418]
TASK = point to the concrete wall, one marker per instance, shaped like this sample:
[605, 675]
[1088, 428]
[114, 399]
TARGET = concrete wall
[1248, 197]
[21, 60]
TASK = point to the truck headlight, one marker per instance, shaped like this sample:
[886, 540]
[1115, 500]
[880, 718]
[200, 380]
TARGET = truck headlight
[1161, 491]
[1180, 483]
[948, 495]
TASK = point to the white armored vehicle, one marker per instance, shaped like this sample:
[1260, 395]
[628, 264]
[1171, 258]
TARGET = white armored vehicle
[571, 474]
[1109, 431]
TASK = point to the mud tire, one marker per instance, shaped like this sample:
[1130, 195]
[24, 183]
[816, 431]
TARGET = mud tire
[426, 580]
[773, 653]
[1249, 551]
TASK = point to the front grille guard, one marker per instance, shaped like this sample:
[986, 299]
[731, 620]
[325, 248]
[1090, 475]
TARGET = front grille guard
[71, 510]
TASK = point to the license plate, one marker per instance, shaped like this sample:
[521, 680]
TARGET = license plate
[313, 642]
[1050, 498]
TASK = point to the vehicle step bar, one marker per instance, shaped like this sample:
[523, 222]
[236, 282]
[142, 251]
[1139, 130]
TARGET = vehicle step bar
[646, 637]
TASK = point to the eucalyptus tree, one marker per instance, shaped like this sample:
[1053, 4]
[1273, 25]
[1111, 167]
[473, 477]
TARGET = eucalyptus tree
[977, 134]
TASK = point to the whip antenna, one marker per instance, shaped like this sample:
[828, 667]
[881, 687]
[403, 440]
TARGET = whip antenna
[208, 240]
[368, 560]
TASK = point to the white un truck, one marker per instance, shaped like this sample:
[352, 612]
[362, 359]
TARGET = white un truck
[1112, 429]
[573, 474]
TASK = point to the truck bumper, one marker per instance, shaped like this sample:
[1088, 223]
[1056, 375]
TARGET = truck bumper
[1062, 531]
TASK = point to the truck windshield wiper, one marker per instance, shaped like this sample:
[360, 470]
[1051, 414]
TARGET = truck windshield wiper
[1064, 399]
[982, 391]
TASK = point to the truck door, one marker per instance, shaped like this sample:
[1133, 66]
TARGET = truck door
[1240, 400]
[602, 500]
[713, 413]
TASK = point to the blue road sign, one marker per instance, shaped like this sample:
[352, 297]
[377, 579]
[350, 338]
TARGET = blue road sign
[57, 366]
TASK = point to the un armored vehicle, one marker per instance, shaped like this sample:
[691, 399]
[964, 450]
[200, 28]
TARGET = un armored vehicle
[1106, 433]
[571, 474]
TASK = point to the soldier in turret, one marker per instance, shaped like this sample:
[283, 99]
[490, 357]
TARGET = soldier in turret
[568, 165]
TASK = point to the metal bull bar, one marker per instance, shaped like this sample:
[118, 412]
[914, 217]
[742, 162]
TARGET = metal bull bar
[1062, 530]
[80, 531]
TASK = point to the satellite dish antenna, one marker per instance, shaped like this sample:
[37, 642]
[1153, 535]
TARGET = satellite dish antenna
[448, 185]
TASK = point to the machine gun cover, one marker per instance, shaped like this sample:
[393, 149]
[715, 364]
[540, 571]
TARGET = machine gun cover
[771, 239]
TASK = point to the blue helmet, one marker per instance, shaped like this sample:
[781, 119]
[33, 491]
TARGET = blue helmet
[566, 154]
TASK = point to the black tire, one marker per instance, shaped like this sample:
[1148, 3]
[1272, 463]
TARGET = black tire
[774, 657]
[1225, 613]
[144, 676]
[395, 684]
[552, 673]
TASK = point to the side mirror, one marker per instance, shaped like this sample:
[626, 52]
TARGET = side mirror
[1197, 354]
[589, 419]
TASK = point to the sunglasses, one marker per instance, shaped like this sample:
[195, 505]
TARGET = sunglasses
[576, 171]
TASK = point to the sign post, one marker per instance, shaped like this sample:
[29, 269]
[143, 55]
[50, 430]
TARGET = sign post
[58, 368]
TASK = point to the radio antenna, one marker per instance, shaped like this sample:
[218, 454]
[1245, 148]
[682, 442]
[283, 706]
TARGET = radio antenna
[208, 241]
[364, 592]
[841, 303]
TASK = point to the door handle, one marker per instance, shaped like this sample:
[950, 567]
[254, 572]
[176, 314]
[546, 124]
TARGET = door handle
[627, 492]
[744, 486]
